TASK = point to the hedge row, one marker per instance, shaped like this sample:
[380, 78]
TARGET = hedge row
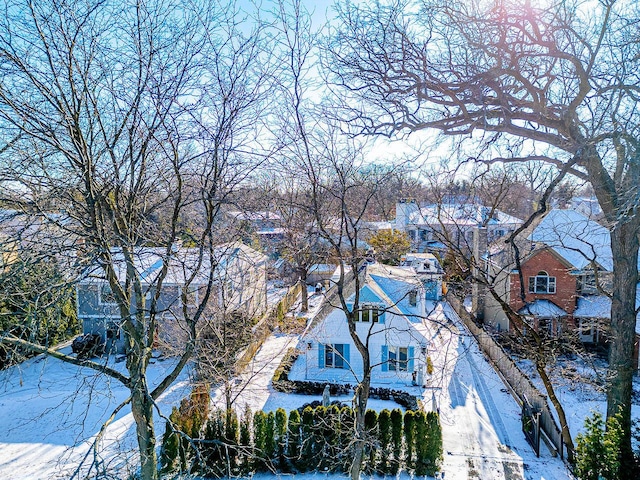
[319, 439]
[282, 383]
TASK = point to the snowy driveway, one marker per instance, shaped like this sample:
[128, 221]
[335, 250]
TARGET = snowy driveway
[481, 424]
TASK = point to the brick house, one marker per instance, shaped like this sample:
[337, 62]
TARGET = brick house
[565, 265]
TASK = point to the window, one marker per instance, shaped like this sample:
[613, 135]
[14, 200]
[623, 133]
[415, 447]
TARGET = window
[545, 326]
[586, 283]
[398, 359]
[334, 355]
[542, 283]
[107, 297]
[369, 313]
[413, 298]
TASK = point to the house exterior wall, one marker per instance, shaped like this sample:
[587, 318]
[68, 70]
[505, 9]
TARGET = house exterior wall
[565, 296]
[396, 331]
[493, 313]
[244, 288]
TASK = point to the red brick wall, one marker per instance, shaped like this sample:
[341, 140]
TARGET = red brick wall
[544, 260]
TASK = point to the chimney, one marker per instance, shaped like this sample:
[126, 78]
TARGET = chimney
[404, 208]
[478, 290]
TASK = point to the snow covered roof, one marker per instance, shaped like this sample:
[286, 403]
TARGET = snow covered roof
[182, 263]
[387, 284]
[265, 215]
[384, 225]
[322, 268]
[542, 308]
[421, 263]
[576, 238]
[470, 214]
[599, 306]
[593, 306]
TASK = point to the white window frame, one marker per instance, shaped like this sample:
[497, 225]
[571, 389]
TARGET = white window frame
[395, 360]
[367, 310]
[535, 283]
[334, 356]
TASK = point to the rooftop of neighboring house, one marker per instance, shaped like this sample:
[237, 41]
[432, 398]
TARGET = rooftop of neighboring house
[576, 238]
[182, 263]
[254, 216]
[599, 306]
[421, 263]
[586, 205]
[459, 214]
[579, 241]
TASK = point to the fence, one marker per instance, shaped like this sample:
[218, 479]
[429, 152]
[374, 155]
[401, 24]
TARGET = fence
[520, 384]
[265, 326]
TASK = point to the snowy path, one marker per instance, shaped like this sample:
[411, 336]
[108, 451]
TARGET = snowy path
[252, 389]
[482, 432]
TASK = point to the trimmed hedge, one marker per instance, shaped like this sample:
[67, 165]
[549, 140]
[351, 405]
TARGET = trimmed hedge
[319, 439]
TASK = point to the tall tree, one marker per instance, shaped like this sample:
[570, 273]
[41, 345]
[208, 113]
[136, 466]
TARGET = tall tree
[516, 82]
[125, 119]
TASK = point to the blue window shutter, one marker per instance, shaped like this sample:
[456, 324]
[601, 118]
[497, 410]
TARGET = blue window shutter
[320, 355]
[345, 354]
[381, 315]
[385, 357]
[410, 363]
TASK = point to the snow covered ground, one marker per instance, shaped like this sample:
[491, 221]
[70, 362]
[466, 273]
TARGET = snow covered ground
[578, 385]
[50, 412]
[481, 423]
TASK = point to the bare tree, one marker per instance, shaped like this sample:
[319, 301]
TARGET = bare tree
[127, 119]
[555, 83]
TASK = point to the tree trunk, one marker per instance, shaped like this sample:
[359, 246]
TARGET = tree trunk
[624, 247]
[360, 400]
[142, 409]
[304, 294]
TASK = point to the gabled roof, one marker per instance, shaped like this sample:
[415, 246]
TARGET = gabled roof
[389, 285]
[470, 214]
[576, 238]
[182, 263]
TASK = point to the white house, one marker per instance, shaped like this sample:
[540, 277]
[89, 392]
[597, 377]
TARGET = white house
[394, 318]
[428, 226]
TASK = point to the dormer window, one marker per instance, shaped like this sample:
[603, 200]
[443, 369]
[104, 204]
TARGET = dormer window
[370, 314]
[542, 283]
